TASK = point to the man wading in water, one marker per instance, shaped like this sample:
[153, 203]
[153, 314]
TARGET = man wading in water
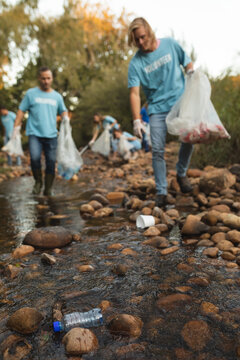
[43, 105]
[156, 67]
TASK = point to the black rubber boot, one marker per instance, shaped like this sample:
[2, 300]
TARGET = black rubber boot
[48, 184]
[37, 174]
[184, 184]
[161, 200]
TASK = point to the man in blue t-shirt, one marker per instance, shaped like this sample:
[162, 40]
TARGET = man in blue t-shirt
[157, 67]
[8, 119]
[43, 105]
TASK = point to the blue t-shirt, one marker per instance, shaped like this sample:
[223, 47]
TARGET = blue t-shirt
[8, 122]
[144, 114]
[108, 120]
[160, 74]
[136, 143]
[43, 108]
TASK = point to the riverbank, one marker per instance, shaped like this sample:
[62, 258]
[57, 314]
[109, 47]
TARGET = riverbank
[176, 283]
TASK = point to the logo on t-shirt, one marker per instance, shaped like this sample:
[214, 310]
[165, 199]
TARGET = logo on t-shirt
[158, 63]
[46, 101]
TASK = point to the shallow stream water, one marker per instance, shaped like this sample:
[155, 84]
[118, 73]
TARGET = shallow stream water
[150, 276]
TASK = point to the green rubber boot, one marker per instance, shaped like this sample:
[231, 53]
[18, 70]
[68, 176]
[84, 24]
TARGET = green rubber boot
[48, 184]
[37, 174]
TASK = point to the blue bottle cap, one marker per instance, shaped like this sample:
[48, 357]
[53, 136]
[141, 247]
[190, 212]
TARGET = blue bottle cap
[57, 326]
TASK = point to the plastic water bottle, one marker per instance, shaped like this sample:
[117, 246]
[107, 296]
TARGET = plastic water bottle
[87, 319]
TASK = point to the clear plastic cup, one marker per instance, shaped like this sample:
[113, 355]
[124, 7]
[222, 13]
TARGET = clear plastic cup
[144, 221]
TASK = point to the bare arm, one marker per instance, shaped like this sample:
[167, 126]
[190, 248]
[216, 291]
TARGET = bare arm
[19, 118]
[135, 102]
[189, 67]
[63, 114]
[95, 134]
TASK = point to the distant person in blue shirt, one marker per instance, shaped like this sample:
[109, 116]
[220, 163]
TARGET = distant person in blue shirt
[157, 67]
[8, 119]
[135, 144]
[101, 122]
[43, 105]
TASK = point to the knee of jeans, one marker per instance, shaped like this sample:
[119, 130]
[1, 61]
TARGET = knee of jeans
[158, 154]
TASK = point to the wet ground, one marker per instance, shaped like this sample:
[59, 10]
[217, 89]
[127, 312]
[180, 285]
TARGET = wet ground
[149, 278]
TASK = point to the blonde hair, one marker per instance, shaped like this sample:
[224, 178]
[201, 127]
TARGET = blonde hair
[135, 24]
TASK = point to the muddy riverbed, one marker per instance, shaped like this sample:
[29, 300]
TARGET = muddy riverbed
[188, 302]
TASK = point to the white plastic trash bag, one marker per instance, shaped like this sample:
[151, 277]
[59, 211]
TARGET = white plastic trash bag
[14, 145]
[68, 157]
[124, 145]
[103, 144]
[148, 135]
[193, 118]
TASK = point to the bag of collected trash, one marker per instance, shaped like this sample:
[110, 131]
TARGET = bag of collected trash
[68, 157]
[103, 145]
[124, 145]
[193, 118]
[148, 136]
[14, 145]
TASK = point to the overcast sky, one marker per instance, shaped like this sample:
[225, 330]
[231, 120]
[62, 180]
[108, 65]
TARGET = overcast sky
[211, 27]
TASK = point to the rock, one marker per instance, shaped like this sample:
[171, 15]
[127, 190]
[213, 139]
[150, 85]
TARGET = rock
[87, 208]
[15, 348]
[221, 208]
[129, 251]
[22, 251]
[195, 173]
[146, 211]
[198, 281]
[217, 237]
[95, 204]
[104, 305]
[193, 226]
[170, 301]
[136, 203]
[169, 250]
[48, 259]
[210, 218]
[25, 320]
[126, 325]
[152, 231]
[205, 243]
[196, 334]
[100, 198]
[229, 256]
[85, 268]
[208, 308]
[120, 269]
[234, 236]
[158, 242]
[104, 212]
[216, 180]
[80, 341]
[12, 271]
[48, 237]
[115, 197]
[173, 213]
[231, 220]
[202, 199]
[211, 252]
[116, 246]
[133, 217]
[224, 245]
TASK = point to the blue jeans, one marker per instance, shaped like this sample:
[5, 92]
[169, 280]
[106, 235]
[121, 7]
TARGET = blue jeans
[48, 146]
[9, 158]
[158, 131]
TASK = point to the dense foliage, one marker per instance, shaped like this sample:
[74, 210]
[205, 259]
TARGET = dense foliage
[87, 50]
